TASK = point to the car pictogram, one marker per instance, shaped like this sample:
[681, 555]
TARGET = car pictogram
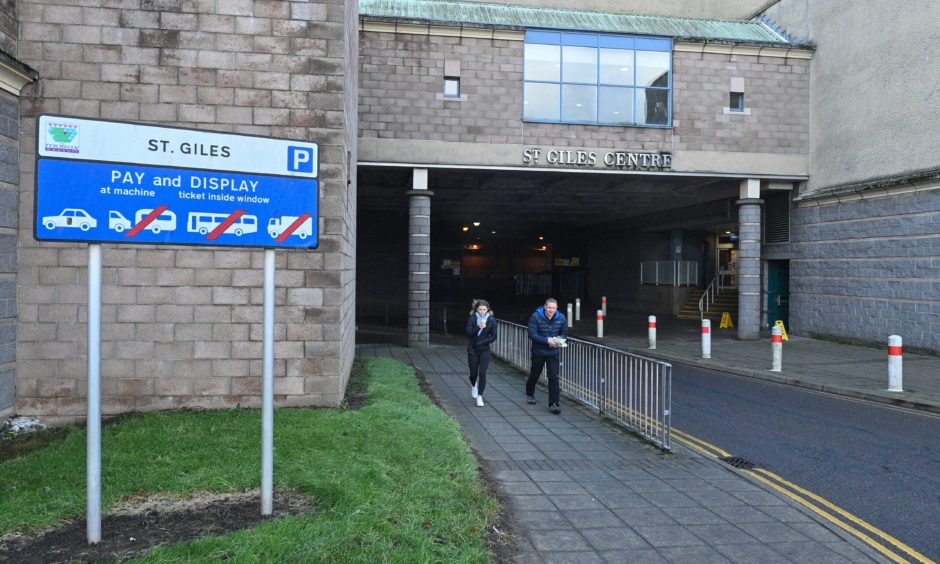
[70, 217]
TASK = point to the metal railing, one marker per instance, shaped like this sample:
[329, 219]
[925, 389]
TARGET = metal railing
[634, 391]
[713, 290]
[669, 272]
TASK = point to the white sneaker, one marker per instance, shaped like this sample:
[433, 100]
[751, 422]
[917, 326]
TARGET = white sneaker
[479, 401]
[473, 392]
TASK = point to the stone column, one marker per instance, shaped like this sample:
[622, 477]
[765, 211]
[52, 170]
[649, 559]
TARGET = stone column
[748, 268]
[419, 260]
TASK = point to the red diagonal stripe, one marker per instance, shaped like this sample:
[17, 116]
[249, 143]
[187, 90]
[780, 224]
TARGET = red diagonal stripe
[293, 227]
[146, 221]
[225, 225]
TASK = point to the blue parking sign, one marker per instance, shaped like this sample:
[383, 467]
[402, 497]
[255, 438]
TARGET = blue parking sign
[116, 182]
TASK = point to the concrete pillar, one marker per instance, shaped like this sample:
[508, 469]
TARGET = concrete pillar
[419, 260]
[675, 247]
[748, 268]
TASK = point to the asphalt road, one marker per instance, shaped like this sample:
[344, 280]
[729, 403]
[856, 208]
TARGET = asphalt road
[879, 463]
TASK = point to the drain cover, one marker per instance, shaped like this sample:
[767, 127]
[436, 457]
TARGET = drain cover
[738, 462]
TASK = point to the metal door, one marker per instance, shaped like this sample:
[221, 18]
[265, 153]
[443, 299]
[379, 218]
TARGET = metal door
[778, 292]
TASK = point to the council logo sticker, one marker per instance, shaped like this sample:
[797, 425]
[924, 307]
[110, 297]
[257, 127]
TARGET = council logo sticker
[62, 137]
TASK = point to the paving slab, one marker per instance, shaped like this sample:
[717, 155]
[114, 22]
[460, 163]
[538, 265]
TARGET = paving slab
[627, 502]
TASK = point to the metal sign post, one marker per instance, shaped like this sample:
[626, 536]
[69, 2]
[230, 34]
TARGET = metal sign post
[93, 452]
[267, 389]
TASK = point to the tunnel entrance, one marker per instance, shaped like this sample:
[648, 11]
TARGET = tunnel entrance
[516, 237]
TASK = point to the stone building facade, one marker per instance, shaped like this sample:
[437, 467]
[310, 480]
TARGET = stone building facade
[182, 327]
[829, 141]
[406, 121]
[864, 248]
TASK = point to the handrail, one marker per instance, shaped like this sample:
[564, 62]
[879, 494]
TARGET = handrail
[708, 296]
[633, 390]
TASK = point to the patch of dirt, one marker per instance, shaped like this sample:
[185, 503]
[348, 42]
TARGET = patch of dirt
[501, 534]
[144, 522]
[357, 388]
[13, 445]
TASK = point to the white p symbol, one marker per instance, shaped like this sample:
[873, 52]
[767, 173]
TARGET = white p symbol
[300, 159]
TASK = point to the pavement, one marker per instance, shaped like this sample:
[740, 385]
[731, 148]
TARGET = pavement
[583, 490]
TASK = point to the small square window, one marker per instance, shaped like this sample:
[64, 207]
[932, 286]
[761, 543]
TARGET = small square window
[451, 87]
[736, 104]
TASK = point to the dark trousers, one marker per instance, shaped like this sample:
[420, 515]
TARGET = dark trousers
[478, 361]
[551, 363]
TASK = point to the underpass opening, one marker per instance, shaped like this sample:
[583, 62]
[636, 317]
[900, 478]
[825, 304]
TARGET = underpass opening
[516, 237]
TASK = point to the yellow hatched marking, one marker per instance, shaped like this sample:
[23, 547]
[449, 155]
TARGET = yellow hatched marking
[871, 528]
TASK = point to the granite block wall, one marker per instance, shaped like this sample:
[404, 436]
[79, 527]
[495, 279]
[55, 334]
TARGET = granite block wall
[9, 180]
[402, 76]
[183, 326]
[867, 269]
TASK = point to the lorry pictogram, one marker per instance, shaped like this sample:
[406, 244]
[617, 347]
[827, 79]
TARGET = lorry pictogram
[278, 225]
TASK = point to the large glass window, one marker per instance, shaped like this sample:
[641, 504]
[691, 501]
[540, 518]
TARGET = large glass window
[595, 78]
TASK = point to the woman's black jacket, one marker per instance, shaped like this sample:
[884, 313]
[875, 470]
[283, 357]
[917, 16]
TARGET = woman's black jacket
[481, 342]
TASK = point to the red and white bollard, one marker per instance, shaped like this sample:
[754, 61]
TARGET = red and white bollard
[570, 319]
[577, 309]
[895, 375]
[604, 305]
[652, 331]
[776, 345]
[600, 324]
[706, 338]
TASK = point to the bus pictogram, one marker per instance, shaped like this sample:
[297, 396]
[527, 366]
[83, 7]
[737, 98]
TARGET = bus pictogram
[206, 223]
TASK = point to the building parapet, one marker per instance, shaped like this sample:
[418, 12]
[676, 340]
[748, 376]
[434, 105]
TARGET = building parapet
[919, 181]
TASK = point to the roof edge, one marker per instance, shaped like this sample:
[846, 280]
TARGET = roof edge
[375, 9]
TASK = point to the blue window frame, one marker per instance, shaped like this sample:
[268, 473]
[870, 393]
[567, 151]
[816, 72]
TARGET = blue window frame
[597, 79]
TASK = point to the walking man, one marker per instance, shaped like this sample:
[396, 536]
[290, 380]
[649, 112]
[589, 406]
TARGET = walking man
[548, 330]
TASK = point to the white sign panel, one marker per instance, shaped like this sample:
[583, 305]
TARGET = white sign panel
[92, 140]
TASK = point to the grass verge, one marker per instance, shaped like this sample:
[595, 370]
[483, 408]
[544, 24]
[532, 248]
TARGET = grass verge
[393, 481]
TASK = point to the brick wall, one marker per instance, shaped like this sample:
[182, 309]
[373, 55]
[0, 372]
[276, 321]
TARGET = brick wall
[9, 178]
[183, 326]
[402, 75]
[868, 269]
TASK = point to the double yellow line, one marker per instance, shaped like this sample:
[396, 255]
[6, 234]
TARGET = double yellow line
[881, 541]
